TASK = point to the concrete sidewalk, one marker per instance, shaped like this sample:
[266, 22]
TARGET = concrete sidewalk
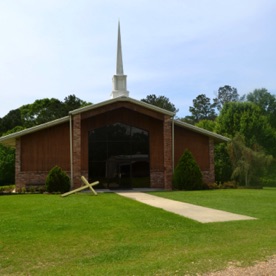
[194, 212]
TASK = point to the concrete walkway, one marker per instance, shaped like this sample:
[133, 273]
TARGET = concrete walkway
[194, 212]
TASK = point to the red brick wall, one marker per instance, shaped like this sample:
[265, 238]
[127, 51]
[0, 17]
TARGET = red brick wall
[156, 179]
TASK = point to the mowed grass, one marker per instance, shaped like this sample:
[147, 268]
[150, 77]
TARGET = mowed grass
[111, 235]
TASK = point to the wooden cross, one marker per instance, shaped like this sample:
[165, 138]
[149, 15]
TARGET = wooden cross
[86, 185]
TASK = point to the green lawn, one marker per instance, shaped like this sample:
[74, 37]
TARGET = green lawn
[111, 235]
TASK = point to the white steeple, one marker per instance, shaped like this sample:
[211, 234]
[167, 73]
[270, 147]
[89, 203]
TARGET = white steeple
[119, 80]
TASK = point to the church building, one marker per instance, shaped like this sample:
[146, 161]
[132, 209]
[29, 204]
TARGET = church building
[122, 142]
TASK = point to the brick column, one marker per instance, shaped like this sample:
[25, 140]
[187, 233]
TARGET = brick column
[212, 160]
[18, 181]
[77, 151]
[167, 135]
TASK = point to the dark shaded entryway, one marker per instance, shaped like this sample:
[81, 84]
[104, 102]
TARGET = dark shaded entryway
[119, 156]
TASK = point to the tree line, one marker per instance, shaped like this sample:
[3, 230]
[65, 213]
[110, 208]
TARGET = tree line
[39, 112]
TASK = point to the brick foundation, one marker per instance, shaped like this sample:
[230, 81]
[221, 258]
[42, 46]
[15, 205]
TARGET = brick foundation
[156, 179]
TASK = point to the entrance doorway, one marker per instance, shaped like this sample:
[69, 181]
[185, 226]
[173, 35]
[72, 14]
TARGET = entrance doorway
[119, 156]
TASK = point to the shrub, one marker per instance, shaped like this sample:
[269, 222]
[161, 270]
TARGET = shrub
[210, 186]
[268, 182]
[229, 185]
[7, 189]
[187, 174]
[57, 181]
[35, 188]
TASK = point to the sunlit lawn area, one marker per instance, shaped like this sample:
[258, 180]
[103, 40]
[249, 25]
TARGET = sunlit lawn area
[111, 235]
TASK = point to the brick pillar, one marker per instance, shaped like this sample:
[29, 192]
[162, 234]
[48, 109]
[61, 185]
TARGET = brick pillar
[76, 151]
[211, 161]
[167, 134]
[18, 181]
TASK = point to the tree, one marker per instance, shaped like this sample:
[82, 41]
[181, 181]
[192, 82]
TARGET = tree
[207, 124]
[72, 102]
[202, 109]
[160, 101]
[266, 101]
[7, 161]
[225, 95]
[247, 119]
[248, 165]
[45, 110]
[7, 168]
[11, 120]
[41, 111]
[223, 166]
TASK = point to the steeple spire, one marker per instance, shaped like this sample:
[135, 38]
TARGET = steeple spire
[119, 80]
[119, 65]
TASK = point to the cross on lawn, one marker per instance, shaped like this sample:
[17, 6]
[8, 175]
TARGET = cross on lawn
[86, 185]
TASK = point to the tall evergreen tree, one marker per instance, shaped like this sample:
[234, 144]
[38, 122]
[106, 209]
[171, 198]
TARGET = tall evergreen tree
[225, 95]
[202, 109]
[266, 101]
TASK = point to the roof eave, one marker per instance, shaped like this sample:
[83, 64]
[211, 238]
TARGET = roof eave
[10, 139]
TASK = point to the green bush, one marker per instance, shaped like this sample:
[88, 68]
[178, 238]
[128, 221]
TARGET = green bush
[268, 182]
[7, 189]
[57, 181]
[187, 174]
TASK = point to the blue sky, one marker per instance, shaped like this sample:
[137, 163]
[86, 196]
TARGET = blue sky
[176, 48]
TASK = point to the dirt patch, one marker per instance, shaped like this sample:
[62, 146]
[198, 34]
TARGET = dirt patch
[264, 268]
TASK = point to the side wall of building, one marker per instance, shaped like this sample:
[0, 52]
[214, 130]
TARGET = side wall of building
[37, 153]
[201, 147]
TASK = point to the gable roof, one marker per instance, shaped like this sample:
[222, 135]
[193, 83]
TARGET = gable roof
[10, 139]
[122, 99]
